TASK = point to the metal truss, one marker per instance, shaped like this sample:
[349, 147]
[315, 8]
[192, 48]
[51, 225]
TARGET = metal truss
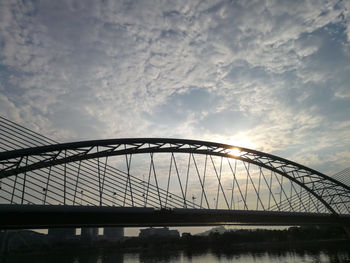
[307, 189]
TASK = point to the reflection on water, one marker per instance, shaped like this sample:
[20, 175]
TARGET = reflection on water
[181, 257]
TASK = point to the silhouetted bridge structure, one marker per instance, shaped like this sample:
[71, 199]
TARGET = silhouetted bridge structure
[157, 181]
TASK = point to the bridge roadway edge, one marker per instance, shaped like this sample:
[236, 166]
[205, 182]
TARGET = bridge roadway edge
[45, 216]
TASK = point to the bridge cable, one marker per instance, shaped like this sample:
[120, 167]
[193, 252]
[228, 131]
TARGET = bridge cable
[258, 197]
[219, 181]
[235, 178]
[16, 135]
[257, 203]
[76, 183]
[233, 185]
[65, 178]
[282, 191]
[155, 177]
[168, 184]
[50, 141]
[11, 147]
[99, 178]
[178, 177]
[204, 172]
[270, 191]
[24, 181]
[246, 188]
[200, 181]
[104, 175]
[41, 175]
[187, 174]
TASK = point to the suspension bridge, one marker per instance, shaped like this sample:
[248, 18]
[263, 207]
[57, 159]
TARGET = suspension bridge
[158, 181]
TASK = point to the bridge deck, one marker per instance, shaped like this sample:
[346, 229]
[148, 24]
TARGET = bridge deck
[41, 216]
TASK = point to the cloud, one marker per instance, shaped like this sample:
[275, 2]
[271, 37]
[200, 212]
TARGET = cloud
[188, 105]
[272, 73]
[226, 122]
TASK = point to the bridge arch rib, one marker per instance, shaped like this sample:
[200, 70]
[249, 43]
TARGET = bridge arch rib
[334, 195]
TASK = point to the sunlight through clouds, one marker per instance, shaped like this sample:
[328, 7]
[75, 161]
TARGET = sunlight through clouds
[265, 75]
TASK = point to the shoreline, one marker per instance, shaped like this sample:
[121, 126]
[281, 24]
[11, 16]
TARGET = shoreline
[168, 248]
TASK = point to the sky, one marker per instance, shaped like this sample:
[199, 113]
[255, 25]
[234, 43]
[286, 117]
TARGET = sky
[268, 75]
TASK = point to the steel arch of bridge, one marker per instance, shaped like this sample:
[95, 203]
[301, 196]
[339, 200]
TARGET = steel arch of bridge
[334, 195]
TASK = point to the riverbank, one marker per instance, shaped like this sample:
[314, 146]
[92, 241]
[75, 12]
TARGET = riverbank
[230, 242]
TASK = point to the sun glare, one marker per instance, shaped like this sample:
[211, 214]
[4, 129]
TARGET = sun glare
[237, 141]
[235, 152]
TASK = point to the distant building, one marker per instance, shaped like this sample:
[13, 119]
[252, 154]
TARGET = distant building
[218, 230]
[164, 232]
[61, 234]
[89, 234]
[113, 233]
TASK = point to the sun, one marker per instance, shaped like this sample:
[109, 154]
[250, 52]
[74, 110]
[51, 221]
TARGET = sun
[235, 152]
[241, 140]
[236, 142]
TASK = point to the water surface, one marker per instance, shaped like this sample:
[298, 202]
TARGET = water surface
[182, 257]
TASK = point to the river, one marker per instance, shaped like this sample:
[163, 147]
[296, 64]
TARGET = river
[182, 257]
